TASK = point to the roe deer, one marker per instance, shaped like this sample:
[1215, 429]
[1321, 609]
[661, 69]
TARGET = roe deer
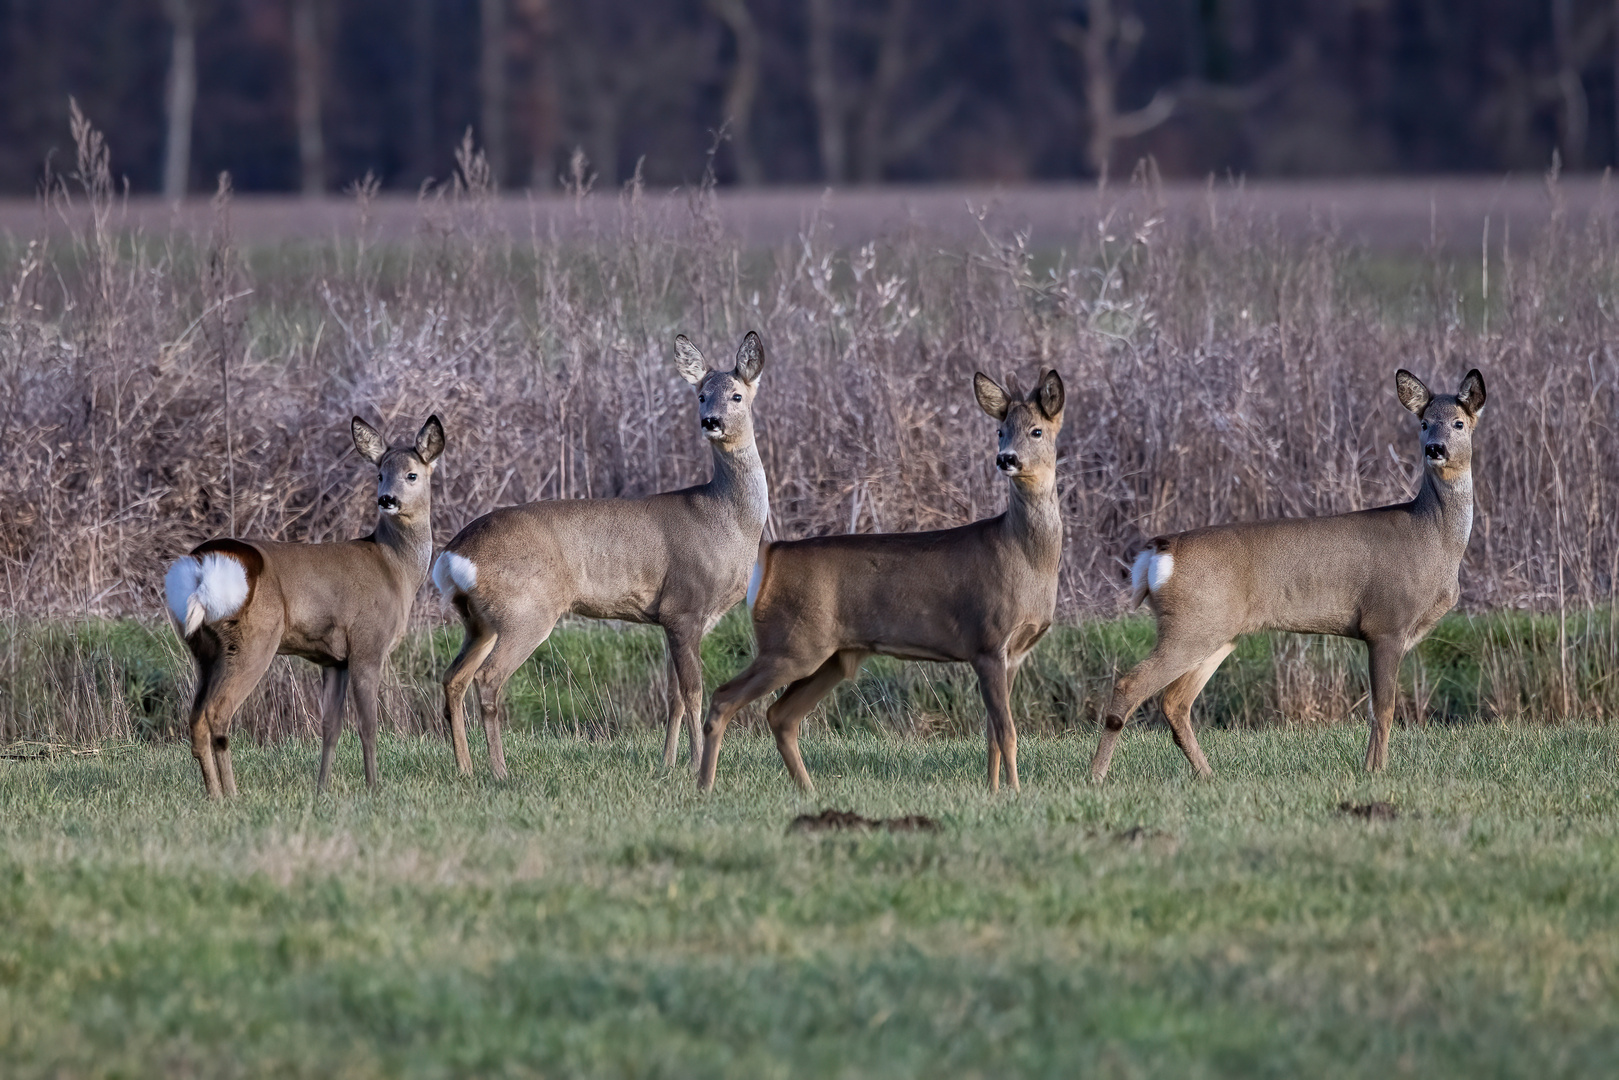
[1384, 576]
[981, 594]
[237, 603]
[679, 559]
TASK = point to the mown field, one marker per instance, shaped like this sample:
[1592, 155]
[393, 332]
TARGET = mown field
[594, 915]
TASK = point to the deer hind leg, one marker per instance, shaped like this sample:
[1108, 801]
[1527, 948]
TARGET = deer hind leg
[475, 649]
[1383, 660]
[685, 691]
[366, 676]
[765, 674]
[787, 712]
[1178, 700]
[509, 653]
[334, 685]
[1168, 661]
[236, 670]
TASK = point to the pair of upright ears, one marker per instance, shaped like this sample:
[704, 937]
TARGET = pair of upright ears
[1416, 396]
[1047, 395]
[750, 359]
[372, 446]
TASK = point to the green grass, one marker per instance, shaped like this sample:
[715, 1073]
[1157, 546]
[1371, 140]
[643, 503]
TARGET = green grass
[594, 915]
[79, 681]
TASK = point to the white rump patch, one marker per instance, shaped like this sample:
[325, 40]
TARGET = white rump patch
[754, 579]
[204, 590]
[454, 574]
[1159, 569]
[1149, 572]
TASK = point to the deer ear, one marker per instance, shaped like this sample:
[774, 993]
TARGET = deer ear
[1050, 395]
[430, 440]
[1413, 394]
[689, 361]
[366, 440]
[991, 398]
[1471, 395]
[750, 358]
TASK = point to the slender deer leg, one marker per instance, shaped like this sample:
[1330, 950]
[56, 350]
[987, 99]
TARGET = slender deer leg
[367, 678]
[235, 676]
[995, 684]
[475, 648]
[1168, 660]
[676, 702]
[208, 672]
[765, 674]
[509, 653]
[787, 712]
[1383, 658]
[686, 659]
[1178, 698]
[334, 686]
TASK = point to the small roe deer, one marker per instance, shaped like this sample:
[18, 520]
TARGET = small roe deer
[237, 603]
[679, 559]
[1384, 576]
[981, 594]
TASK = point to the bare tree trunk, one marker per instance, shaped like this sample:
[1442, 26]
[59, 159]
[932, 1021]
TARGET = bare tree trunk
[307, 61]
[181, 100]
[1574, 117]
[743, 87]
[824, 91]
[543, 134]
[890, 71]
[422, 133]
[492, 85]
[1106, 46]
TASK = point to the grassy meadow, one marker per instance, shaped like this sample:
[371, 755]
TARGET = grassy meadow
[594, 915]
[1228, 354]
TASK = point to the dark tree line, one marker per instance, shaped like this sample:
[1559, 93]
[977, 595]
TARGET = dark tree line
[311, 94]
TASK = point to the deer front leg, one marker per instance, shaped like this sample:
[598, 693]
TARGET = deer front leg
[334, 685]
[1383, 660]
[685, 691]
[367, 680]
[995, 684]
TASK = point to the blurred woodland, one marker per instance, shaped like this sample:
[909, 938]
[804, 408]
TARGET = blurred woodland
[313, 94]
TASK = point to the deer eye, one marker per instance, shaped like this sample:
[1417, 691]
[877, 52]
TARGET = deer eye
[1037, 432]
[411, 478]
[736, 397]
[1458, 425]
[1425, 425]
[704, 397]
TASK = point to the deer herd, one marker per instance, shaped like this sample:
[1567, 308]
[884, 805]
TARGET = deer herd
[981, 594]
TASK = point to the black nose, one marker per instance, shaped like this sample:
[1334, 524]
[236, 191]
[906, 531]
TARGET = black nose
[1006, 461]
[1436, 452]
[712, 423]
[388, 502]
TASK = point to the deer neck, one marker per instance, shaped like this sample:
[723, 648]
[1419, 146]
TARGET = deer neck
[1448, 503]
[739, 482]
[1033, 520]
[406, 545]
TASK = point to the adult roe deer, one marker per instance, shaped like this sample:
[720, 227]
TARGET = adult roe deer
[1384, 576]
[679, 559]
[237, 603]
[981, 594]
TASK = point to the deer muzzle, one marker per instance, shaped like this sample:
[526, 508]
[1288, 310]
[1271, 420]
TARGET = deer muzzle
[1436, 452]
[389, 504]
[713, 425]
[1007, 463]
